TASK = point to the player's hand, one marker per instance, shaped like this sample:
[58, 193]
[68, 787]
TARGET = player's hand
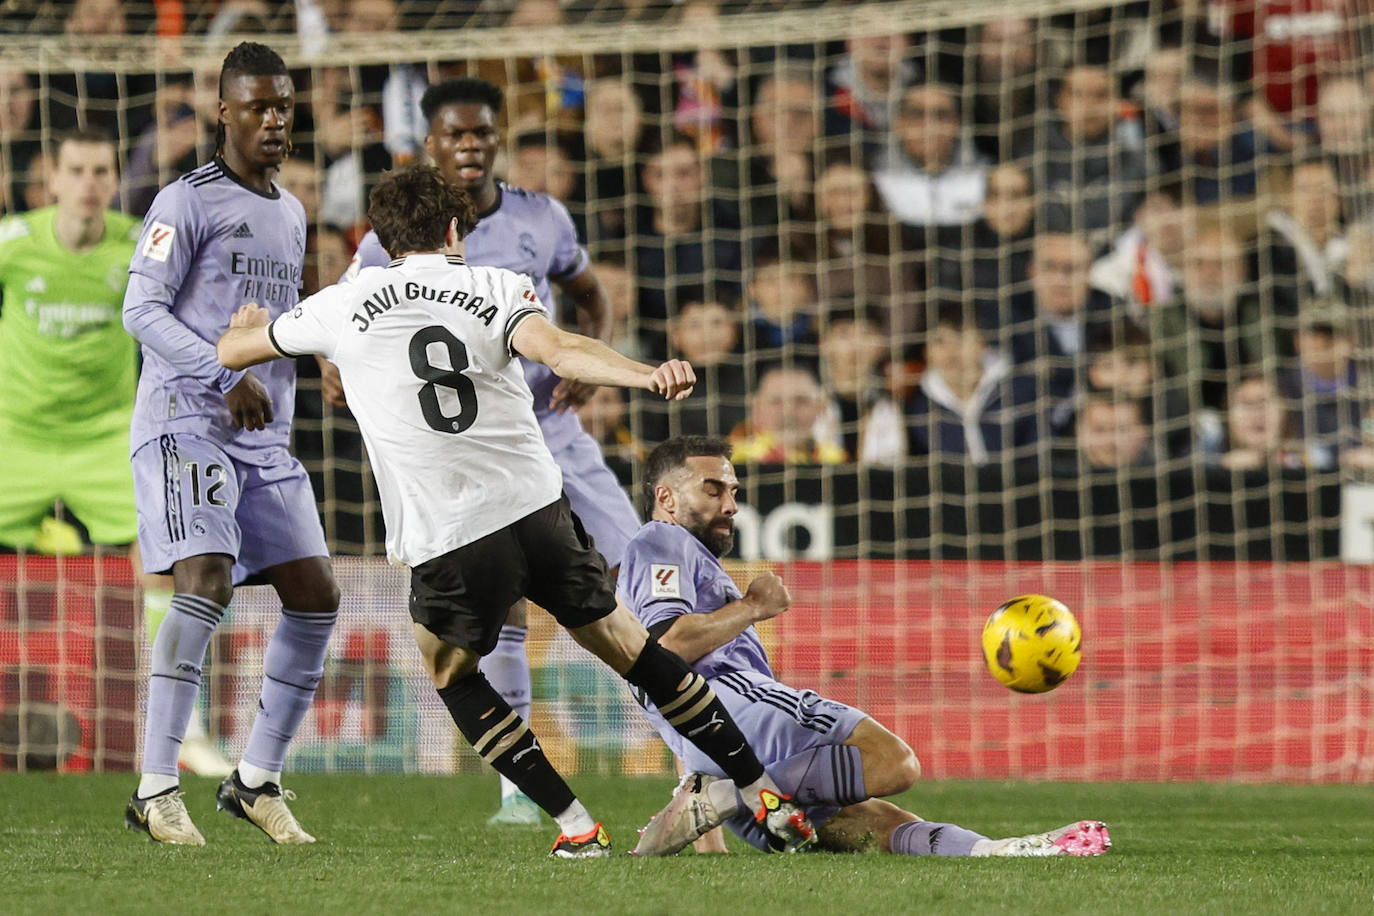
[250, 315]
[249, 403]
[768, 596]
[674, 380]
[570, 395]
[331, 383]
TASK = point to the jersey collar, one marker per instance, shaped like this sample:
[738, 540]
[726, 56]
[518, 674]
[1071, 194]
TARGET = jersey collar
[454, 259]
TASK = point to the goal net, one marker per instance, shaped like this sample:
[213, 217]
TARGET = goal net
[1060, 296]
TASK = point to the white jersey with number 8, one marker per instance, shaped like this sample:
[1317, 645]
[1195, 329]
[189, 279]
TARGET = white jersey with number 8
[423, 348]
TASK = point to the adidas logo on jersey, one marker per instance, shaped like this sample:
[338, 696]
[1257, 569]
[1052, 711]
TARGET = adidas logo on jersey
[36, 285]
[243, 232]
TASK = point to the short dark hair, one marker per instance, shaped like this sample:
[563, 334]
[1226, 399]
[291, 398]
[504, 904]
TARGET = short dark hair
[672, 454]
[90, 135]
[410, 209]
[956, 316]
[463, 90]
[249, 58]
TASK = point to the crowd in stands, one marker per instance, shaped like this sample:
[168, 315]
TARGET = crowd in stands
[1099, 241]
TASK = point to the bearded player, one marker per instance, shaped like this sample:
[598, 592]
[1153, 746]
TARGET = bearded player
[532, 234]
[831, 757]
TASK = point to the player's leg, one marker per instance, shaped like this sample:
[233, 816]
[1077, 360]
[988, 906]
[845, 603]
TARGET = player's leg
[876, 821]
[610, 520]
[187, 490]
[284, 545]
[458, 602]
[507, 668]
[693, 710]
[31, 487]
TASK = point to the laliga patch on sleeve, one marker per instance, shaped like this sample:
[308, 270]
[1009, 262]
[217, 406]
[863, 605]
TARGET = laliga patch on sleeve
[667, 580]
[158, 245]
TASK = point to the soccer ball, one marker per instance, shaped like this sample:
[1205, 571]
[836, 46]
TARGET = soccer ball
[1032, 644]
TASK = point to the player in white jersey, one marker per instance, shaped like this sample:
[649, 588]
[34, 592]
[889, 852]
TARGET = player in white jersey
[470, 493]
[532, 234]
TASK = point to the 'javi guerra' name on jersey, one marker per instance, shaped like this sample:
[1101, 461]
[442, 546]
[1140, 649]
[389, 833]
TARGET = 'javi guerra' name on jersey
[386, 298]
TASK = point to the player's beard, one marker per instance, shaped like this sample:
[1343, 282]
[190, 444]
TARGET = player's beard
[709, 532]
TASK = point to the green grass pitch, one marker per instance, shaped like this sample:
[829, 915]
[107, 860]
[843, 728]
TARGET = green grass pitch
[420, 845]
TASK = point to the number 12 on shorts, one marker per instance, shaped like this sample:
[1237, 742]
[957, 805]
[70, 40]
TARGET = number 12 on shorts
[214, 476]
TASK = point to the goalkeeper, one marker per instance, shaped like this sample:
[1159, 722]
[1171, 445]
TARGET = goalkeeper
[67, 377]
[828, 756]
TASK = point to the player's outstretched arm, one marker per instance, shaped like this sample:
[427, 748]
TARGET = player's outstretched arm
[247, 342]
[693, 636]
[572, 356]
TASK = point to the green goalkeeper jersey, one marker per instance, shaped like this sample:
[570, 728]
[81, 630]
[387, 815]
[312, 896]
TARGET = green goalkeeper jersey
[67, 367]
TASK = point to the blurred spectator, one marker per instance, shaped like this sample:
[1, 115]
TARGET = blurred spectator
[683, 241]
[35, 191]
[1112, 435]
[1090, 169]
[1005, 54]
[1051, 322]
[854, 348]
[1259, 430]
[302, 179]
[1121, 362]
[1324, 386]
[781, 300]
[929, 176]
[1302, 245]
[181, 137]
[786, 423]
[969, 405]
[1159, 99]
[605, 417]
[705, 334]
[112, 102]
[864, 90]
[1217, 153]
[1216, 327]
[1345, 135]
[549, 87]
[540, 163]
[1357, 274]
[772, 172]
[619, 285]
[18, 138]
[992, 260]
[614, 123]
[706, 87]
[858, 249]
[1145, 266]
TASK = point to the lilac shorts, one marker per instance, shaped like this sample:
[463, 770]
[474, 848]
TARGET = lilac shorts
[780, 722]
[597, 497]
[193, 499]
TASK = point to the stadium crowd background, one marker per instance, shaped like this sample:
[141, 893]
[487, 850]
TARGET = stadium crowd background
[1111, 245]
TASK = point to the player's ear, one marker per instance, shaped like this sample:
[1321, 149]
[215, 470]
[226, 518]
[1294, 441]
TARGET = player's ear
[451, 237]
[664, 498]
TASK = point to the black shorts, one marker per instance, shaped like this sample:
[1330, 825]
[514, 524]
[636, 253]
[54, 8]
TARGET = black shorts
[463, 596]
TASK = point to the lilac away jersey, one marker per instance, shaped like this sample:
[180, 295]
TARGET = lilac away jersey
[211, 244]
[531, 234]
[666, 573]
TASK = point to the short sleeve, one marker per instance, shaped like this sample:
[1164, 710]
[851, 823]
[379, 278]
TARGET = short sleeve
[171, 235]
[569, 257]
[312, 326]
[523, 303]
[658, 578]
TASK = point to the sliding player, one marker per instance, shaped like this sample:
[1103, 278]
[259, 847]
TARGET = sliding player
[830, 757]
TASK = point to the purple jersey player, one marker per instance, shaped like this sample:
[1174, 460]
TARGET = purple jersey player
[832, 757]
[221, 502]
[532, 234]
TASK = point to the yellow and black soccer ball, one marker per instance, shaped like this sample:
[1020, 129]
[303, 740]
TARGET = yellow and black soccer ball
[1032, 644]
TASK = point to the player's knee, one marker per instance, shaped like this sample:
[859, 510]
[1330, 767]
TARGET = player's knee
[209, 584]
[895, 770]
[322, 599]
